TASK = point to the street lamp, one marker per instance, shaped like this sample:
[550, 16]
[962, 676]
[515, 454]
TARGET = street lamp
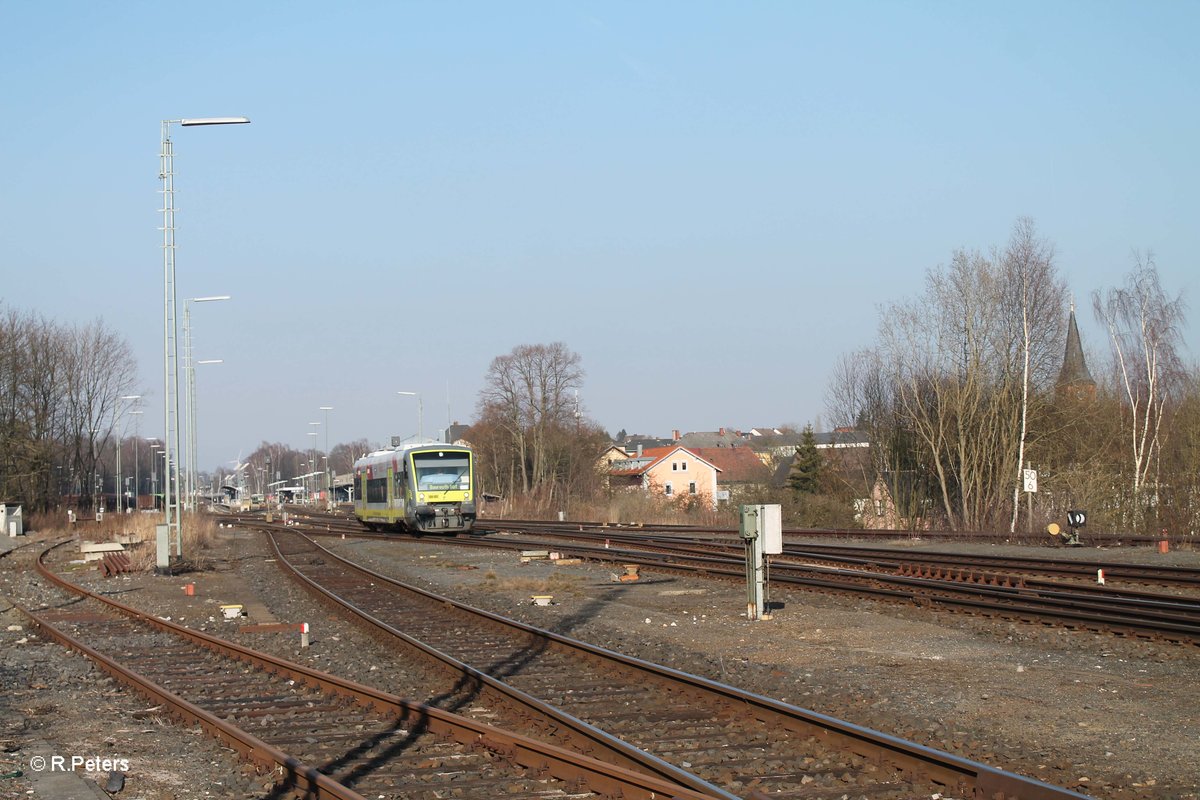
[189, 398]
[136, 436]
[312, 460]
[155, 449]
[120, 442]
[328, 476]
[420, 411]
[172, 522]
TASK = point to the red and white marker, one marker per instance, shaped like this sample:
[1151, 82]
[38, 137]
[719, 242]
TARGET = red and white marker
[1100, 577]
[304, 634]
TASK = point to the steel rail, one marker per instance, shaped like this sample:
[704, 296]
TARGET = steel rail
[1107, 539]
[529, 753]
[1036, 601]
[909, 757]
[1024, 601]
[585, 737]
[1187, 576]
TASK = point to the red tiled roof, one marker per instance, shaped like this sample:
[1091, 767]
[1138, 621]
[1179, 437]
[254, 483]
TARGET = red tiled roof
[737, 464]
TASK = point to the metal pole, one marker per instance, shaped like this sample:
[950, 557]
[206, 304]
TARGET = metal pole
[171, 435]
[188, 422]
[120, 497]
[167, 176]
[328, 465]
[1029, 515]
[190, 362]
[121, 441]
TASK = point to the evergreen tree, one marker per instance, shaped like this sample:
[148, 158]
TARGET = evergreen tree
[808, 466]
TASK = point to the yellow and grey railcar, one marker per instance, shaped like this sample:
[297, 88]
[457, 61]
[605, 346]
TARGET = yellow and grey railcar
[422, 488]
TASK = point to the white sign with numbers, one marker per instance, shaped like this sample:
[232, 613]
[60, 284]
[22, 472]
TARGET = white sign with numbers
[1030, 480]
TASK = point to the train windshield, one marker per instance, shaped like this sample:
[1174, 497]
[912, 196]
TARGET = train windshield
[442, 472]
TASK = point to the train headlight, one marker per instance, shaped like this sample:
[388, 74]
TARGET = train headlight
[421, 498]
[466, 495]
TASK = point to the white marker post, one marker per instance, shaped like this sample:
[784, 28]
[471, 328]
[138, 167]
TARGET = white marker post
[304, 634]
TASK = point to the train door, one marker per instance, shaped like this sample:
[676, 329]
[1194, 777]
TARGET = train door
[401, 484]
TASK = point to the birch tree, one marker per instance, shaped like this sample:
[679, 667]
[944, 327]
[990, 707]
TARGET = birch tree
[1035, 299]
[950, 388]
[1144, 329]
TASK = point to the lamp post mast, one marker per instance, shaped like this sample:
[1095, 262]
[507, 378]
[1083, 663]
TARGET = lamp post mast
[166, 173]
[328, 465]
[189, 397]
[120, 442]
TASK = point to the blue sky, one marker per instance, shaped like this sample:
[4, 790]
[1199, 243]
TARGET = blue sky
[707, 201]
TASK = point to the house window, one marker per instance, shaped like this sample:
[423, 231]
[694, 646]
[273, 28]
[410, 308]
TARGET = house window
[668, 490]
[674, 467]
[683, 466]
[692, 487]
[879, 508]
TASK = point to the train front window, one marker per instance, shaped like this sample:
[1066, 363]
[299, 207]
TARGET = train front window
[442, 472]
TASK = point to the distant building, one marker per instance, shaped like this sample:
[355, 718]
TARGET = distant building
[632, 442]
[456, 433]
[739, 469]
[669, 471]
[723, 437]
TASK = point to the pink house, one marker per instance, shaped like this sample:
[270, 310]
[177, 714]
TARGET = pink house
[670, 471]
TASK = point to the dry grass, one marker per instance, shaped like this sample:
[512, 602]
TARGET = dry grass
[554, 584]
[198, 533]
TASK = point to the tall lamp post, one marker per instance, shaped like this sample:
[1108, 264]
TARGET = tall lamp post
[136, 435]
[155, 449]
[120, 442]
[189, 398]
[172, 523]
[313, 461]
[193, 447]
[328, 475]
[420, 411]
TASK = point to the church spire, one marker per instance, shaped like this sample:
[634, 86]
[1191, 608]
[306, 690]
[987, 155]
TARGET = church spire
[1074, 378]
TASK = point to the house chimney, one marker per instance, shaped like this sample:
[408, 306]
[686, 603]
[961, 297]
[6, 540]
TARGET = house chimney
[722, 432]
[675, 435]
[639, 455]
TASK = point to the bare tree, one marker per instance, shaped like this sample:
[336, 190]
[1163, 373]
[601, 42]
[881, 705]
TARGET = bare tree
[528, 393]
[1144, 327]
[100, 368]
[1036, 294]
[532, 437]
[949, 391]
[58, 391]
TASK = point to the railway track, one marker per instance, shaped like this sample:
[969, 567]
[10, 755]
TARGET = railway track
[325, 737]
[1038, 539]
[977, 585]
[745, 744]
[993, 591]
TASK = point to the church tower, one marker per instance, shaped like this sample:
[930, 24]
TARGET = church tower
[1074, 380]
